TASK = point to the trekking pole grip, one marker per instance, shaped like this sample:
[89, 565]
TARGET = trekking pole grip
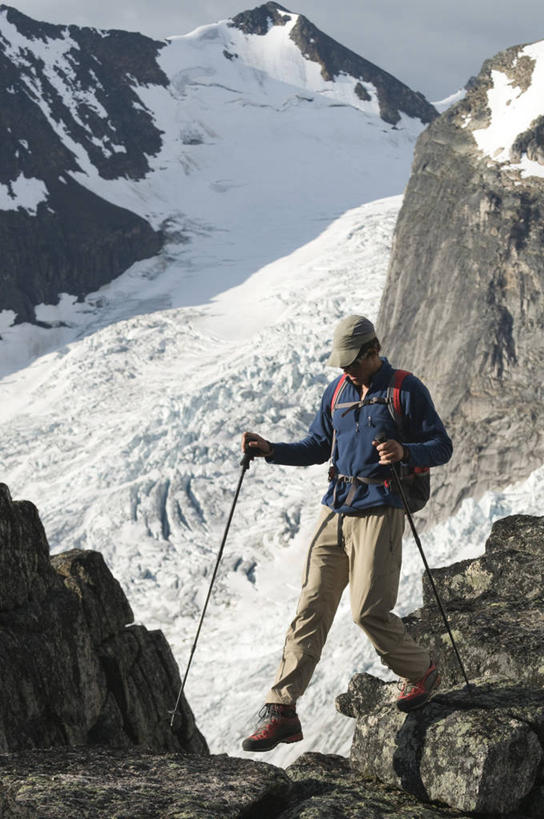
[246, 459]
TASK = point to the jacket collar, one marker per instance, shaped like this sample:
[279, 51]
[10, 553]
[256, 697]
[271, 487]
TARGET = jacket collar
[382, 379]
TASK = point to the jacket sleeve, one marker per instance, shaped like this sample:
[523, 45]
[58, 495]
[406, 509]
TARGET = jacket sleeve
[315, 448]
[427, 440]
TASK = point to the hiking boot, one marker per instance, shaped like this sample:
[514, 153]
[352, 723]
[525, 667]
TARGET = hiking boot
[277, 723]
[415, 694]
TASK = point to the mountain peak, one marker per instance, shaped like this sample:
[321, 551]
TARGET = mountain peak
[260, 19]
[336, 60]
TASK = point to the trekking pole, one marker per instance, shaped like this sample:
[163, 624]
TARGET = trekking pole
[244, 463]
[380, 438]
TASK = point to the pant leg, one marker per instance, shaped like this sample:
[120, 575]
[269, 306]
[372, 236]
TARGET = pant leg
[324, 579]
[374, 548]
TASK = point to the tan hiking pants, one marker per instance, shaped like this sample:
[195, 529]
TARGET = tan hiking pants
[365, 551]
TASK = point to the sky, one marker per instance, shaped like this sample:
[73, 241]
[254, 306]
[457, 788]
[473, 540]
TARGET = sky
[433, 46]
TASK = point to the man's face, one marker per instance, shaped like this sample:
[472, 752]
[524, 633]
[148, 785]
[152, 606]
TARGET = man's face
[363, 367]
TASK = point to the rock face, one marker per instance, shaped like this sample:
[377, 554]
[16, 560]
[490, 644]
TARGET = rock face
[73, 669]
[62, 783]
[84, 700]
[478, 751]
[462, 306]
[68, 98]
[496, 607]
[394, 97]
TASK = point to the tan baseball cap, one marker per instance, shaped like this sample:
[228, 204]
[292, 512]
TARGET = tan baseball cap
[349, 336]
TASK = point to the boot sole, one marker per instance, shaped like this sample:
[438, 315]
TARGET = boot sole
[268, 745]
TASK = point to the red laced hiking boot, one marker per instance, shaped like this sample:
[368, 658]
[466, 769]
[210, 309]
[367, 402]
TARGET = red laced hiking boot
[415, 694]
[277, 723]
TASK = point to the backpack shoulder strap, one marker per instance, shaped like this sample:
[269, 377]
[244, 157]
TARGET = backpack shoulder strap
[393, 396]
[336, 395]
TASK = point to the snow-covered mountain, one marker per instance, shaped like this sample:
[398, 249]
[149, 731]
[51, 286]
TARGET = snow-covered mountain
[213, 153]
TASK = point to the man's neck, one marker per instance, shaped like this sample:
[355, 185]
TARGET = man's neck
[365, 386]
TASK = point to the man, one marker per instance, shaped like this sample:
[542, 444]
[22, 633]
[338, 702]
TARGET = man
[358, 538]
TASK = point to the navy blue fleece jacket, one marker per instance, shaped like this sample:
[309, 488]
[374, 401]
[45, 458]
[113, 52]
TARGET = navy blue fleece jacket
[424, 437]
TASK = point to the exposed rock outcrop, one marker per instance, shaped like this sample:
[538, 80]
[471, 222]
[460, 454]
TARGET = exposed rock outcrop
[463, 302]
[61, 783]
[479, 750]
[394, 98]
[77, 678]
[73, 670]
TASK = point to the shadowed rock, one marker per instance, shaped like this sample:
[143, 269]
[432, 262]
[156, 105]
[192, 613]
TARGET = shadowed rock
[64, 783]
[495, 605]
[479, 751]
[73, 670]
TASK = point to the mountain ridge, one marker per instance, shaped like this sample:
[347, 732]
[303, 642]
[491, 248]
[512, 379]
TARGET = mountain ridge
[114, 128]
[336, 59]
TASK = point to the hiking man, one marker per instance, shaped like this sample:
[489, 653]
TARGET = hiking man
[358, 537]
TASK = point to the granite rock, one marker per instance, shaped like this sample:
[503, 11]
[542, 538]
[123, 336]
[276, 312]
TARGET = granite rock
[74, 669]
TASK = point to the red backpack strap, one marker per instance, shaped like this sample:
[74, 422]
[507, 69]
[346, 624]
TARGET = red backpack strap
[338, 390]
[396, 386]
[339, 387]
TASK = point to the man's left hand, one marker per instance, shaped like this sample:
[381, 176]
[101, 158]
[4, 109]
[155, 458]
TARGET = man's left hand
[390, 452]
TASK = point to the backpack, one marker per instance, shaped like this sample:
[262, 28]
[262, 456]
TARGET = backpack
[416, 480]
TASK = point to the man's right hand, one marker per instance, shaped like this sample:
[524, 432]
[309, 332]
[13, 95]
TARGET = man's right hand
[258, 446]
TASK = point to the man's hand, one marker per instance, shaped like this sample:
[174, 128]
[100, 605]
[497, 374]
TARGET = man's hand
[258, 446]
[390, 452]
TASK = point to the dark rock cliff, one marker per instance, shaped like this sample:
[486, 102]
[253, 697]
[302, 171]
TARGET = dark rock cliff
[394, 97]
[74, 669]
[462, 306]
[73, 240]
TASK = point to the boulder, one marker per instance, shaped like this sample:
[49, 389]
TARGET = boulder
[477, 750]
[61, 783]
[495, 606]
[74, 669]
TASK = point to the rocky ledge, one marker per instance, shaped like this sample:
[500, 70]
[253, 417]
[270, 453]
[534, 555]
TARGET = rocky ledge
[61, 783]
[85, 695]
[74, 669]
[478, 750]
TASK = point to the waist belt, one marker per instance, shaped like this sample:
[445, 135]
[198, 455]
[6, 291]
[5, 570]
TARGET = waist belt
[355, 481]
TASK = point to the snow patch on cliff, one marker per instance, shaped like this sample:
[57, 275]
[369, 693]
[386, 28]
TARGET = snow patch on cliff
[513, 110]
[23, 193]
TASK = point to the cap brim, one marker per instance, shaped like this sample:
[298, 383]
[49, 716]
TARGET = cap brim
[343, 358]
